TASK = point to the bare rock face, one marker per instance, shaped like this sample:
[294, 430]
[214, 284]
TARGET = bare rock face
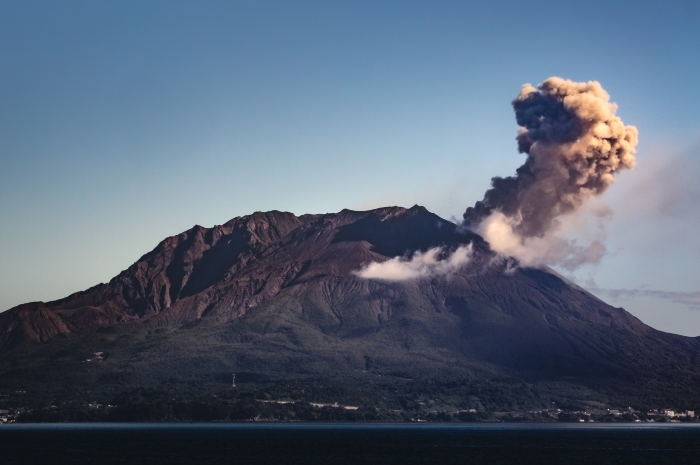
[225, 270]
[33, 322]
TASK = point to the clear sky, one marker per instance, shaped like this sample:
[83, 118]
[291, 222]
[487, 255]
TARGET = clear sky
[124, 122]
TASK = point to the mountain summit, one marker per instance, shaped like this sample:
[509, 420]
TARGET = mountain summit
[277, 298]
[225, 271]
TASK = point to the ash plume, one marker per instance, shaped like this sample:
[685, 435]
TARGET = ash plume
[575, 144]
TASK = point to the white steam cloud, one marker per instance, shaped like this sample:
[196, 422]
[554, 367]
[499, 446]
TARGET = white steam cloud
[552, 248]
[434, 262]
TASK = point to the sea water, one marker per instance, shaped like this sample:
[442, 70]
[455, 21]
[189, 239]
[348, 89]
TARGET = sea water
[349, 443]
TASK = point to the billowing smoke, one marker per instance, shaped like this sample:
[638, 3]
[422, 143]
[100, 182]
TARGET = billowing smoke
[574, 144]
[433, 262]
[551, 248]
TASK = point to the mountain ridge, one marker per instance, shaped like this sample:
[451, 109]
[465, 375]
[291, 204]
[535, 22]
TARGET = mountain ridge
[181, 266]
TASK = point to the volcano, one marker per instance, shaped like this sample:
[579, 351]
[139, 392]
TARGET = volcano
[276, 299]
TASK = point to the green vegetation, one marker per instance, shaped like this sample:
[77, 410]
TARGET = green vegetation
[138, 372]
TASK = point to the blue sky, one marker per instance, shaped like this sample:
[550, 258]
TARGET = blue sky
[124, 122]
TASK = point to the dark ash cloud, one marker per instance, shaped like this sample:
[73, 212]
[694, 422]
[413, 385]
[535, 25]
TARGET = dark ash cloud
[575, 144]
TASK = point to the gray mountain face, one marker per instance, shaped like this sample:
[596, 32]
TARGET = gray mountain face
[276, 296]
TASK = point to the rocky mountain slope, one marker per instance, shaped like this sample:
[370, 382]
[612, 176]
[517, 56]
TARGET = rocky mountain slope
[276, 297]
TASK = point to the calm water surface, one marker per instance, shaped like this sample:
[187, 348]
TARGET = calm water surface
[342, 443]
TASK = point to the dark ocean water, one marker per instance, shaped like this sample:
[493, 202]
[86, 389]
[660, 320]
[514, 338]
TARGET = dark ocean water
[334, 443]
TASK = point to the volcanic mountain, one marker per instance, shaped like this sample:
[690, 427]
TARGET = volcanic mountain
[276, 298]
